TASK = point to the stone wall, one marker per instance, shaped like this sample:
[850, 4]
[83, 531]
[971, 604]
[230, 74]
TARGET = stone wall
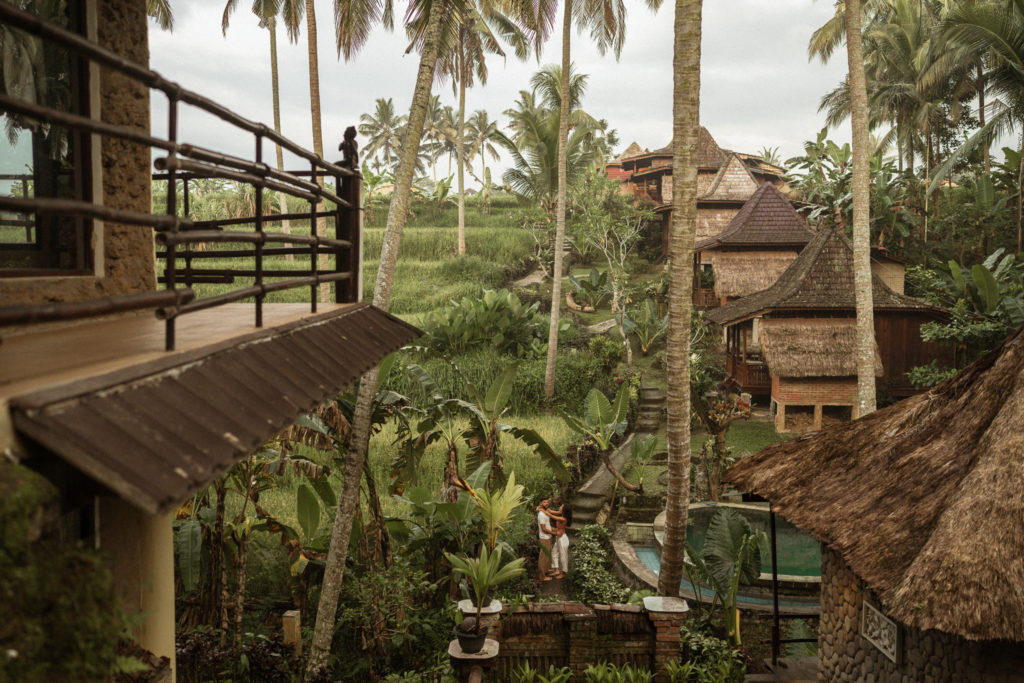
[571, 634]
[925, 656]
[126, 253]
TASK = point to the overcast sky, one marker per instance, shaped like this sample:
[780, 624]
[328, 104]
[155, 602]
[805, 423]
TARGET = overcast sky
[758, 88]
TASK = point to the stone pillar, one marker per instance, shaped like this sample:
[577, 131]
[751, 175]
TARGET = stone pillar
[667, 616]
[582, 637]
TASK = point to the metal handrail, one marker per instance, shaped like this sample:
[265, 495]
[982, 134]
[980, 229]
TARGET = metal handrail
[178, 234]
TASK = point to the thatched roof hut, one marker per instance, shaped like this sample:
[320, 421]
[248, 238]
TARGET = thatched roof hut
[820, 280]
[812, 347]
[922, 500]
[766, 219]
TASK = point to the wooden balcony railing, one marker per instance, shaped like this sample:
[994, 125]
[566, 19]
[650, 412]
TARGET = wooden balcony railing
[180, 239]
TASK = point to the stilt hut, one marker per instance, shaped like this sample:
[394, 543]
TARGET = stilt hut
[753, 251]
[919, 513]
[794, 340]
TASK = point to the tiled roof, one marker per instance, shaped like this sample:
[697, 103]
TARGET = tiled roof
[820, 279]
[767, 218]
[733, 182]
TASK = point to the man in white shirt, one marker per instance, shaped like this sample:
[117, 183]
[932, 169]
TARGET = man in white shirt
[544, 533]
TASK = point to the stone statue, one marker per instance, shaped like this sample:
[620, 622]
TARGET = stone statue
[350, 149]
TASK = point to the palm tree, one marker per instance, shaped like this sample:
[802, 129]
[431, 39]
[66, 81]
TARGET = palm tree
[382, 129]
[534, 145]
[433, 133]
[160, 10]
[483, 136]
[471, 32]
[606, 22]
[397, 213]
[861, 213]
[267, 12]
[995, 30]
[685, 131]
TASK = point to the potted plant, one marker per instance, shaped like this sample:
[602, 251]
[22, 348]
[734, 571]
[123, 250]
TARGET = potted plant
[486, 570]
[482, 573]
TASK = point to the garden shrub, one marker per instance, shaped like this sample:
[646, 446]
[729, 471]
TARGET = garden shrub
[607, 351]
[387, 623]
[200, 658]
[593, 581]
[707, 658]
[64, 620]
[497, 319]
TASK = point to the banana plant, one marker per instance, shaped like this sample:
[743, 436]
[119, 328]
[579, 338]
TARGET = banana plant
[601, 422]
[646, 324]
[593, 291]
[731, 557]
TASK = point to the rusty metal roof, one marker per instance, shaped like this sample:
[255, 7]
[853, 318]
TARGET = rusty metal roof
[157, 432]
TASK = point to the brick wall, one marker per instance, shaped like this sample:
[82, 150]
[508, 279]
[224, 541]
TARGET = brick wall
[571, 634]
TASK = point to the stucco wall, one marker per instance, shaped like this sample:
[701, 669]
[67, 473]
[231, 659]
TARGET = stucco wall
[127, 253]
[925, 656]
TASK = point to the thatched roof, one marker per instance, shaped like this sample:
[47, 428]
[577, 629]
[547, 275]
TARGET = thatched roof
[634, 150]
[767, 218]
[733, 182]
[821, 280]
[738, 273]
[812, 347]
[922, 499]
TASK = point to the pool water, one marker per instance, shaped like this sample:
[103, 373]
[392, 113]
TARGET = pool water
[798, 553]
[652, 558]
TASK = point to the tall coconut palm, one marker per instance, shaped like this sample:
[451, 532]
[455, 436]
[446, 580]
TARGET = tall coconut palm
[397, 213]
[382, 130]
[534, 144]
[434, 133]
[685, 131]
[483, 140]
[861, 144]
[267, 12]
[471, 32]
[605, 20]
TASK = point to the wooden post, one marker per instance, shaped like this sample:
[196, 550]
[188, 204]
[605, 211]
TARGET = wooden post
[291, 622]
[817, 416]
[780, 417]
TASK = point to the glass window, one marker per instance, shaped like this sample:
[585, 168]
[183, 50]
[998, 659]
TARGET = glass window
[42, 160]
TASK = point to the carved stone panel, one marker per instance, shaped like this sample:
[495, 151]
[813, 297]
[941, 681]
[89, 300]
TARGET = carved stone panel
[881, 631]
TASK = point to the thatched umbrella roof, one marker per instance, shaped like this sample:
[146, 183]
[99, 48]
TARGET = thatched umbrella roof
[738, 273]
[766, 219]
[923, 500]
[812, 347]
[819, 280]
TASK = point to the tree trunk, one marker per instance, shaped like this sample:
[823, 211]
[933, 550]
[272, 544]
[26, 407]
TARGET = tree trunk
[606, 457]
[397, 213]
[861, 213]
[563, 137]
[286, 227]
[318, 137]
[460, 147]
[981, 112]
[685, 127]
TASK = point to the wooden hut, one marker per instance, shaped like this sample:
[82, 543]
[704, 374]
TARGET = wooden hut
[794, 339]
[753, 251]
[920, 516]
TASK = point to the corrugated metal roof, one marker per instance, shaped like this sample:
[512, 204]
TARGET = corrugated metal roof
[162, 430]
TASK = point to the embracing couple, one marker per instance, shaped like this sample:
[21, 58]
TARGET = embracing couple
[552, 520]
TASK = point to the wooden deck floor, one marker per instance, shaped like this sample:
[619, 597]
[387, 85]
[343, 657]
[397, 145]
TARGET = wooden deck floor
[33, 360]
